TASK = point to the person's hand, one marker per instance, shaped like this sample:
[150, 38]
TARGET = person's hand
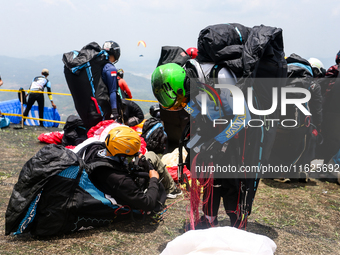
[145, 163]
[115, 116]
[53, 105]
[153, 173]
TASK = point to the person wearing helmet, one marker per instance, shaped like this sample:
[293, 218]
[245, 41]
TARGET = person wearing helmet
[109, 76]
[176, 88]
[331, 74]
[318, 69]
[126, 93]
[38, 85]
[122, 182]
[192, 52]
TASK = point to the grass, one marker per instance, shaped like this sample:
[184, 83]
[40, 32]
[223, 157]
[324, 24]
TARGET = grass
[301, 218]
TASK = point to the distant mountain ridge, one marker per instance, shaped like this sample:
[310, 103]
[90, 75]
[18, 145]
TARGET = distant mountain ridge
[17, 72]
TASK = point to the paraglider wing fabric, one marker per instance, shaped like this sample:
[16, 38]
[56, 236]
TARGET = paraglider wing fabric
[142, 43]
[51, 138]
[223, 44]
[220, 240]
[49, 161]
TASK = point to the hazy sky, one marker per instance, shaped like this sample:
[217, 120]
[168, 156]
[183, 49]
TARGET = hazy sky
[52, 27]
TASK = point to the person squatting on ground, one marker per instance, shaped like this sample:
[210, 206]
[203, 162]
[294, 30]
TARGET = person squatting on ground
[109, 76]
[119, 182]
[38, 85]
[181, 92]
[123, 85]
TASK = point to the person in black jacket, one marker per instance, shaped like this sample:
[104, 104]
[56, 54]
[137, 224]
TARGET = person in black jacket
[122, 183]
[132, 113]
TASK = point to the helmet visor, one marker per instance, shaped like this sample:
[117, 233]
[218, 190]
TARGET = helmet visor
[179, 104]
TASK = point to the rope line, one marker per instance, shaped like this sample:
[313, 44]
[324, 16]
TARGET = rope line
[54, 93]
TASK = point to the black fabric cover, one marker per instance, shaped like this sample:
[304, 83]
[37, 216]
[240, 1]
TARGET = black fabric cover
[74, 131]
[173, 54]
[68, 202]
[132, 113]
[174, 124]
[49, 161]
[223, 44]
[91, 108]
[65, 206]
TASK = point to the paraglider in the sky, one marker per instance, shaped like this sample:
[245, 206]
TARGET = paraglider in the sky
[141, 43]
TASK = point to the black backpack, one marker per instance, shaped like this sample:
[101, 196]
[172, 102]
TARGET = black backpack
[74, 131]
[83, 74]
[300, 75]
[154, 135]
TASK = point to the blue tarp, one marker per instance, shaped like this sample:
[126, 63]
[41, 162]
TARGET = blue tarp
[14, 107]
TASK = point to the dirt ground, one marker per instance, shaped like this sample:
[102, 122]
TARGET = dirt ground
[301, 218]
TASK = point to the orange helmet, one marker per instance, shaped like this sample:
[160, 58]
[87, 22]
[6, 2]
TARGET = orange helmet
[122, 140]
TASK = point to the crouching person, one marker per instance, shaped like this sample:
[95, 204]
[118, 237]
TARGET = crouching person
[60, 191]
[127, 182]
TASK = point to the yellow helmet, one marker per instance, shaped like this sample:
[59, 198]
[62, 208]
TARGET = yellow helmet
[122, 140]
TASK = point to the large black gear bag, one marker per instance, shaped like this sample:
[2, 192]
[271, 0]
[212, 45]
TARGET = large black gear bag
[83, 74]
[55, 196]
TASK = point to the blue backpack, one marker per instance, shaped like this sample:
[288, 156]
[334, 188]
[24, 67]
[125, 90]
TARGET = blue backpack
[4, 122]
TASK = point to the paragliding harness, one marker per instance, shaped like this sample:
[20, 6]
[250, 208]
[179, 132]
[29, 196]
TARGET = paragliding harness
[154, 135]
[83, 73]
[300, 75]
[74, 131]
[193, 69]
[227, 45]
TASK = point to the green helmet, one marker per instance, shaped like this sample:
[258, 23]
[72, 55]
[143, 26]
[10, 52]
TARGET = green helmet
[168, 86]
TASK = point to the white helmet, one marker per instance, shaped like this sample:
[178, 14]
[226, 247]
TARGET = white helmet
[317, 66]
[314, 62]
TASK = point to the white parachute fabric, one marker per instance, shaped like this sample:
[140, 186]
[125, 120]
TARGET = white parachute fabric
[220, 240]
[171, 159]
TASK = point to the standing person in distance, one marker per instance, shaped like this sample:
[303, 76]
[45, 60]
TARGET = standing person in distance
[109, 76]
[123, 85]
[38, 85]
[1, 82]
